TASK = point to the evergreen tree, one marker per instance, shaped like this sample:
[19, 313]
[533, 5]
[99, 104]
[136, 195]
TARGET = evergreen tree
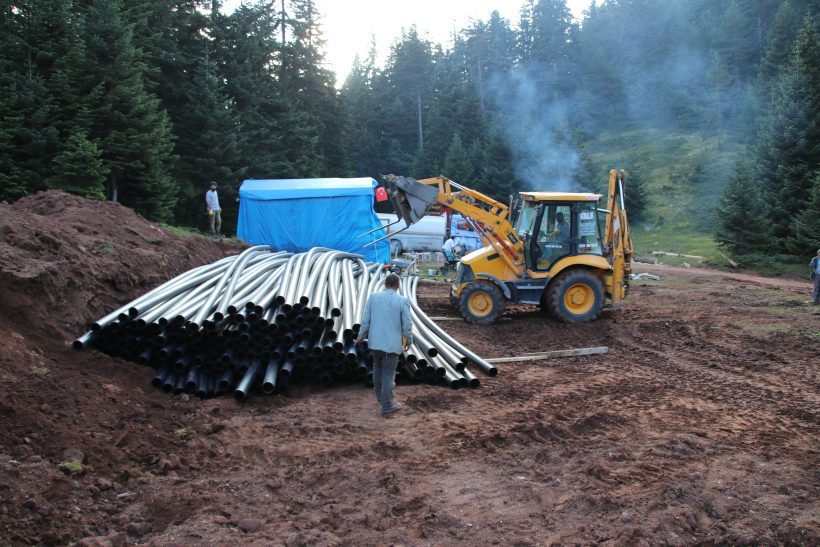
[789, 148]
[805, 227]
[41, 37]
[79, 168]
[129, 123]
[457, 165]
[407, 85]
[496, 177]
[176, 43]
[454, 109]
[38, 139]
[489, 51]
[635, 193]
[780, 39]
[312, 87]
[13, 179]
[742, 230]
[361, 110]
[598, 76]
[208, 146]
[249, 56]
[553, 47]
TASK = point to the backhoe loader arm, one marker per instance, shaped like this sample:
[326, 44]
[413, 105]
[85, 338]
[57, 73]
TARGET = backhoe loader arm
[617, 238]
[407, 194]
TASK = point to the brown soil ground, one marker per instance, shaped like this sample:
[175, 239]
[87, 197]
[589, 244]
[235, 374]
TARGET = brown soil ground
[699, 426]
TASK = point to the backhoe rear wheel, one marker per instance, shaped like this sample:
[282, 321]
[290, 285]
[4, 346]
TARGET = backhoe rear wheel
[481, 302]
[575, 296]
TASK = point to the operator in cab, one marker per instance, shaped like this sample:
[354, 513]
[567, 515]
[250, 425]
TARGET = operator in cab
[561, 231]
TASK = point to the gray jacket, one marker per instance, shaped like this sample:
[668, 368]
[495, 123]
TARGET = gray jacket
[386, 319]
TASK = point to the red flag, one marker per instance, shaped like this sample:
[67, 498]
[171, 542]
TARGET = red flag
[381, 194]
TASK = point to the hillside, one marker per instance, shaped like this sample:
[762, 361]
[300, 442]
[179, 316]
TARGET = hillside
[683, 176]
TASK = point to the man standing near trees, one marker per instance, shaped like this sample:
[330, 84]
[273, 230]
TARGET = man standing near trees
[214, 212]
[388, 328]
[814, 265]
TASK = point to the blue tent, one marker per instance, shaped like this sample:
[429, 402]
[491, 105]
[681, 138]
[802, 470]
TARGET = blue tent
[298, 214]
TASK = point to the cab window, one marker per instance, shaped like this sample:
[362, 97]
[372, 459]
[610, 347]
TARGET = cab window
[526, 219]
[589, 237]
[554, 235]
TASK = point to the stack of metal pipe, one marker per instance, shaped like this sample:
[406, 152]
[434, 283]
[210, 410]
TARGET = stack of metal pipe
[263, 320]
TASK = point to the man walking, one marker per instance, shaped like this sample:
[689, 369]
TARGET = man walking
[385, 322]
[214, 211]
[814, 266]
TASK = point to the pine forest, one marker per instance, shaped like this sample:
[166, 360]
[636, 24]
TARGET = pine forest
[711, 106]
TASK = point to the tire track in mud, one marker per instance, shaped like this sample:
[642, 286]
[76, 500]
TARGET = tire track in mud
[749, 393]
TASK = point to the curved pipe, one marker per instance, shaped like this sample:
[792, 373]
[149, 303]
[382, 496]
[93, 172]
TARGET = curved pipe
[333, 290]
[205, 310]
[481, 363]
[234, 278]
[126, 310]
[261, 276]
[144, 305]
[286, 279]
[293, 282]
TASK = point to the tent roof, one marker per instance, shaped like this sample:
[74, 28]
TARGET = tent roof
[306, 188]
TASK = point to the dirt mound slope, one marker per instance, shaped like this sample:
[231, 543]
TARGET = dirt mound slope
[699, 426]
[65, 260]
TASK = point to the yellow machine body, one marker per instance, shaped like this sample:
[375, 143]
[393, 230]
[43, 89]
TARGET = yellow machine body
[561, 253]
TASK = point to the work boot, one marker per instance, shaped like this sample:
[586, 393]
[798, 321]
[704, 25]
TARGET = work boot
[391, 411]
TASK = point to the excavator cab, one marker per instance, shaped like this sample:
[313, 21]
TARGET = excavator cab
[554, 229]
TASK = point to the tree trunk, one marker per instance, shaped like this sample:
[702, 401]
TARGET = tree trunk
[114, 188]
[421, 136]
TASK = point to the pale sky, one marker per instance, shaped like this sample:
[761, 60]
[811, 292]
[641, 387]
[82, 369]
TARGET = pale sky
[348, 25]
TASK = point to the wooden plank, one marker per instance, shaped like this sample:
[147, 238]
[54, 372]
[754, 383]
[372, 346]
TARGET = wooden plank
[664, 253]
[447, 318]
[550, 354]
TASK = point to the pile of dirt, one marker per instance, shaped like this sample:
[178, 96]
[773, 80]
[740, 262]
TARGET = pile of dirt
[698, 427]
[65, 261]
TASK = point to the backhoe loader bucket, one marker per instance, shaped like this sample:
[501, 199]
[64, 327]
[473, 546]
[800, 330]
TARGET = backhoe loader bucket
[410, 199]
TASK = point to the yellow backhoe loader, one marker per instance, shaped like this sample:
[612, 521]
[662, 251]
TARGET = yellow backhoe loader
[564, 253]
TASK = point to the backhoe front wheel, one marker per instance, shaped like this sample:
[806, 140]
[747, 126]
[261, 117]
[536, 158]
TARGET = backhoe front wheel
[576, 296]
[481, 302]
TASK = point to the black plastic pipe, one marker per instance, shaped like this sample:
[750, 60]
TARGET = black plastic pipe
[269, 381]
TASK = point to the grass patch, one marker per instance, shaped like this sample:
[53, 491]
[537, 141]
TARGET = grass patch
[646, 239]
[182, 432]
[779, 295]
[71, 467]
[183, 231]
[789, 311]
[683, 176]
[106, 248]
